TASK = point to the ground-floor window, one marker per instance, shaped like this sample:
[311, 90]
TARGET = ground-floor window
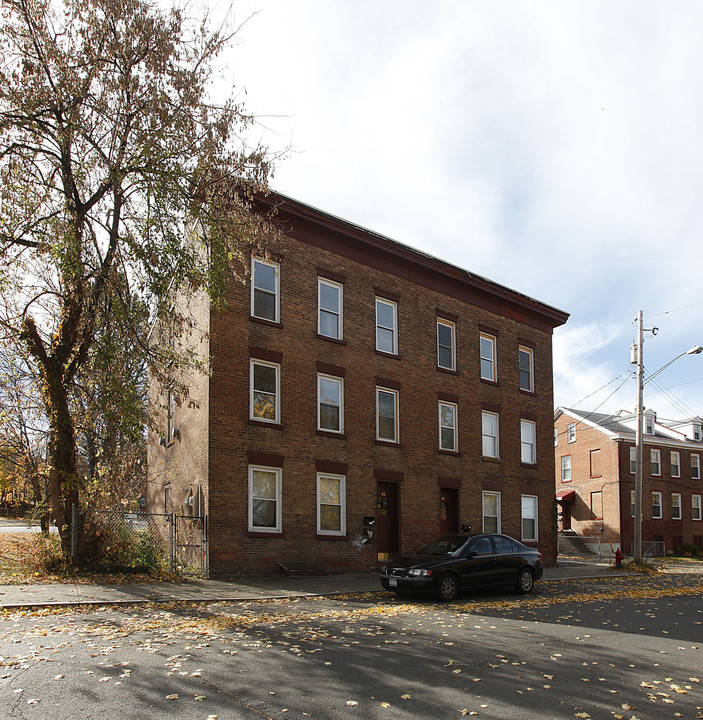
[331, 504]
[491, 512]
[695, 507]
[529, 517]
[656, 505]
[264, 499]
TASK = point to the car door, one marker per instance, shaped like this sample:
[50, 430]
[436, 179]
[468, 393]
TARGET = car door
[477, 567]
[508, 561]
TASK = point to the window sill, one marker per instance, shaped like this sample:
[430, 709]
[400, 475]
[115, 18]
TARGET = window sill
[262, 534]
[528, 465]
[263, 321]
[527, 392]
[388, 443]
[264, 423]
[337, 341]
[449, 371]
[454, 453]
[488, 381]
[343, 538]
[331, 434]
[488, 459]
[382, 353]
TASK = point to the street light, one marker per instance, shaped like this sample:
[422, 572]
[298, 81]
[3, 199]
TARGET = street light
[641, 382]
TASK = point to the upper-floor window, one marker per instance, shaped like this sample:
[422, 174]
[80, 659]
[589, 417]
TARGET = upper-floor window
[696, 432]
[528, 442]
[265, 391]
[526, 368]
[655, 460]
[265, 290]
[447, 426]
[649, 425]
[330, 403]
[676, 506]
[675, 463]
[387, 415]
[595, 463]
[331, 504]
[566, 468]
[656, 505]
[446, 331]
[264, 499]
[386, 326]
[571, 432]
[329, 308]
[489, 427]
[695, 466]
[488, 357]
[633, 459]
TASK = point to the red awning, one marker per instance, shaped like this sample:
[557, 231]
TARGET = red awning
[565, 494]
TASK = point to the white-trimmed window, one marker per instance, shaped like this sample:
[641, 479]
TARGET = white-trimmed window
[387, 415]
[386, 326]
[491, 511]
[171, 402]
[675, 463]
[697, 432]
[655, 461]
[490, 437]
[695, 466]
[571, 432]
[529, 518]
[632, 503]
[566, 468]
[526, 368]
[649, 425]
[447, 426]
[330, 403]
[487, 345]
[264, 499]
[331, 504]
[676, 506]
[633, 459]
[656, 505]
[265, 391]
[528, 442]
[446, 334]
[696, 507]
[556, 438]
[330, 304]
[265, 290]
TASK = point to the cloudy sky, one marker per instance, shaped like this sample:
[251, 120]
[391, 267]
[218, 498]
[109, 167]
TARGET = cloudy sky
[554, 147]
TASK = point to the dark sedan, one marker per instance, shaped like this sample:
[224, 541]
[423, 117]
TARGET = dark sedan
[454, 563]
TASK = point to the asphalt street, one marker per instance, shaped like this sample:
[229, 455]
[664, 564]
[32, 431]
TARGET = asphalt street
[626, 647]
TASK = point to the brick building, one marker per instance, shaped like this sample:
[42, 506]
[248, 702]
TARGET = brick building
[595, 479]
[354, 379]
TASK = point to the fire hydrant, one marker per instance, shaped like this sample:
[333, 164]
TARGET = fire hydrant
[618, 558]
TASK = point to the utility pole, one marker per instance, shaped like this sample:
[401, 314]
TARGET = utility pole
[637, 537]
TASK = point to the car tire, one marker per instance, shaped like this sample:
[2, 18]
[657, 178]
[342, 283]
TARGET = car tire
[447, 587]
[525, 581]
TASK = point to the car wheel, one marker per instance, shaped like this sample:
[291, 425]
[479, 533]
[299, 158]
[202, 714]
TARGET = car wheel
[447, 587]
[525, 581]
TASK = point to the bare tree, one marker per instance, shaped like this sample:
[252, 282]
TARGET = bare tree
[121, 179]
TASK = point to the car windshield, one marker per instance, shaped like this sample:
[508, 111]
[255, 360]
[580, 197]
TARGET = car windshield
[446, 545]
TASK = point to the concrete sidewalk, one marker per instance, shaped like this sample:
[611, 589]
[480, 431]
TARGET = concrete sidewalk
[239, 589]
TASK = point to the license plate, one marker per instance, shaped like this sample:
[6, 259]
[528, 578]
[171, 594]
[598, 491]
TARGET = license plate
[392, 582]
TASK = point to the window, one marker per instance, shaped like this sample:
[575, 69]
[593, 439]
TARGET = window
[529, 518]
[594, 457]
[489, 424]
[264, 499]
[675, 464]
[695, 466]
[330, 403]
[387, 415]
[329, 308]
[526, 367]
[695, 507]
[676, 506]
[265, 278]
[596, 505]
[386, 326]
[331, 504]
[491, 512]
[649, 425]
[265, 391]
[447, 426]
[697, 432]
[566, 468]
[632, 503]
[571, 432]
[656, 505]
[445, 345]
[556, 438]
[633, 459]
[528, 442]
[488, 357]
[655, 459]
[171, 430]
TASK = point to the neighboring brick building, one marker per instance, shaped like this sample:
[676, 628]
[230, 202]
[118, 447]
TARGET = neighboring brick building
[595, 479]
[355, 378]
